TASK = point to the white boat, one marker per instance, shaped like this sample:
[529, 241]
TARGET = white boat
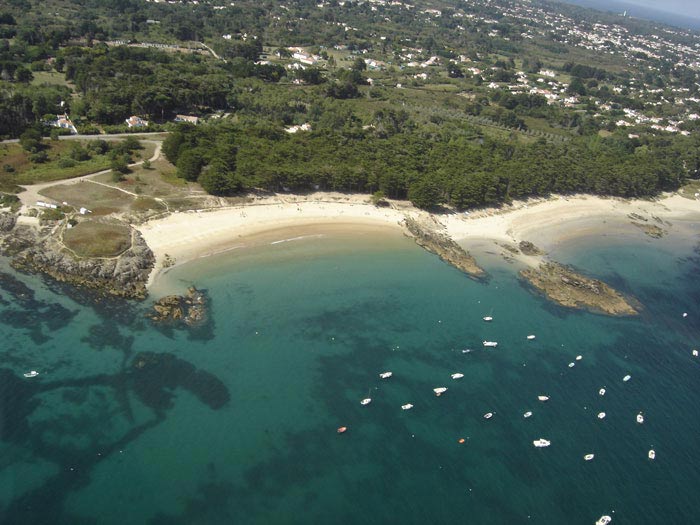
[572, 364]
[527, 414]
[627, 378]
[652, 454]
[589, 457]
[488, 415]
[386, 375]
[640, 418]
[488, 318]
[31, 373]
[440, 390]
[366, 401]
[685, 314]
[601, 392]
[490, 343]
[543, 398]
[695, 353]
[540, 443]
[466, 350]
[603, 520]
[601, 415]
[457, 376]
[579, 357]
[530, 337]
[407, 406]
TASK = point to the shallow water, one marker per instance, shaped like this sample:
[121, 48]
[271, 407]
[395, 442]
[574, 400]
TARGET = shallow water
[236, 422]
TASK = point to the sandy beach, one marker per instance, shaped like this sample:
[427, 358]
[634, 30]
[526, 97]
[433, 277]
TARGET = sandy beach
[189, 235]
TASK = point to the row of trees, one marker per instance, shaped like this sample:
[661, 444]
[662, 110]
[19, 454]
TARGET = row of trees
[429, 170]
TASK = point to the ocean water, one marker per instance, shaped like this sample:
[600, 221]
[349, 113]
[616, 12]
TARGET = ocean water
[235, 422]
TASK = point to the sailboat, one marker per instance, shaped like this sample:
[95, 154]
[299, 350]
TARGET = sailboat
[367, 400]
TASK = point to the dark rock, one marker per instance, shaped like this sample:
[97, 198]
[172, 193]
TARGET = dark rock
[529, 249]
[190, 309]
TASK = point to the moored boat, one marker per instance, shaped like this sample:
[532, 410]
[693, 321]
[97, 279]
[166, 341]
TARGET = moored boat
[530, 337]
[488, 415]
[603, 520]
[652, 454]
[386, 375]
[366, 401]
[601, 415]
[695, 353]
[579, 357]
[543, 398]
[571, 365]
[440, 390]
[487, 318]
[627, 378]
[540, 443]
[601, 392]
[490, 343]
[31, 373]
[407, 406]
[640, 418]
[342, 430]
[527, 414]
[589, 457]
[457, 375]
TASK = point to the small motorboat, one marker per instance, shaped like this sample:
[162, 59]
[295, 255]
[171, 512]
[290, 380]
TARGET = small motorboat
[457, 376]
[579, 357]
[541, 443]
[342, 430]
[461, 441]
[386, 375]
[440, 390]
[695, 353]
[488, 318]
[640, 418]
[601, 392]
[601, 415]
[589, 457]
[466, 350]
[652, 454]
[530, 337]
[490, 343]
[603, 520]
[527, 414]
[407, 406]
[685, 314]
[366, 401]
[572, 364]
[31, 373]
[627, 378]
[543, 398]
[488, 415]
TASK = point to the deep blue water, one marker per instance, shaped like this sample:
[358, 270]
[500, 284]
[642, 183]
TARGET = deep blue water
[236, 422]
[659, 14]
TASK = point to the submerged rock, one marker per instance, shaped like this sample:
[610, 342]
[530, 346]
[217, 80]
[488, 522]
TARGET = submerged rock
[190, 309]
[444, 247]
[652, 230]
[568, 288]
[529, 249]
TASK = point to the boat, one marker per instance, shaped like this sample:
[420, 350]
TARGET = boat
[685, 314]
[543, 398]
[640, 418]
[490, 343]
[579, 357]
[31, 373]
[540, 443]
[342, 430]
[527, 414]
[366, 401]
[571, 365]
[407, 406]
[440, 390]
[457, 376]
[652, 454]
[589, 457]
[601, 392]
[466, 350]
[488, 415]
[386, 375]
[488, 318]
[530, 337]
[695, 353]
[603, 520]
[461, 441]
[601, 415]
[627, 378]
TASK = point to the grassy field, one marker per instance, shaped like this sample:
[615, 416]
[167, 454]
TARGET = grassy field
[98, 239]
[95, 197]
[49, 77]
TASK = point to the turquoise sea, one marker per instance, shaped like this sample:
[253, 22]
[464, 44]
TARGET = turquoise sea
[235, 422]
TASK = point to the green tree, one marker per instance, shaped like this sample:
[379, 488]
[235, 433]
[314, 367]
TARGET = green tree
[425, 193]
[218, 180]
[189, 164]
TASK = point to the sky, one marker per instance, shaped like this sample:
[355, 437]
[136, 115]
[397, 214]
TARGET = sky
[681, 7]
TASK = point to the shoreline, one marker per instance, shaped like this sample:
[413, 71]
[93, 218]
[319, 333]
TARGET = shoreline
[187, 236]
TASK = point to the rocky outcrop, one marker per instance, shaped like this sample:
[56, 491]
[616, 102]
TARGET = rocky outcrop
[529, 249]
[190, 309]
[652, 230]
[122, 276]
[568, 288]
[7, 222]
[444, 247]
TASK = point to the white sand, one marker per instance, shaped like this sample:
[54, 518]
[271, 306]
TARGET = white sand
[186, 236]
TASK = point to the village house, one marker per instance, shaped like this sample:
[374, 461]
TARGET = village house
[187, 118]
[136, 122]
